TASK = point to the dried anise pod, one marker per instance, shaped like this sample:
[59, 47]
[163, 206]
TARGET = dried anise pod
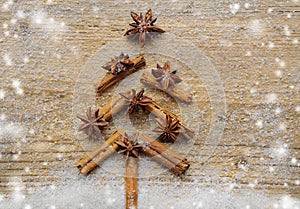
[169, 129]
[118, 64]
[143, 26]
[136, 99]
[91, 123]
[165, 76]
[129, 146]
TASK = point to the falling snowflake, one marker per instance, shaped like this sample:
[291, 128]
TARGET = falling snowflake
[2, 94]
[271, 45]
[259, 124]
[20, 14]
[234, 8]
[278, 73]
[7, 59]
[295, 41]
[279, 152]
[271, 98]
[287, 30]
[17, 86]
[247, 5]
[256, 27]
[282, 126]
[270, 10]
[26, 60]
[6, 6]
[294, 160]
[2, 117]
[278, 110]
[281, 63]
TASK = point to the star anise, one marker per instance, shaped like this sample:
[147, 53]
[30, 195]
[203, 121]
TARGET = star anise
[136, 99]
[169, 129]
[129, 146]
[91, 123]
[118, 64]
[165, 76]
[143, 26]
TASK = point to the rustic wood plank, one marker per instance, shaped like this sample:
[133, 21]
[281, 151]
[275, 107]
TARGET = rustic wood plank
[240, 46]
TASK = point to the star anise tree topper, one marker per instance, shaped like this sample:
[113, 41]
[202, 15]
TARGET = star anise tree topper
[143, 26]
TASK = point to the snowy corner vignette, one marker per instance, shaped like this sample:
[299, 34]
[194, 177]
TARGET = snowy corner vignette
[40, 64]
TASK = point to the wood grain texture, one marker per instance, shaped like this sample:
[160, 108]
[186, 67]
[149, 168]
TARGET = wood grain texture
[239, 46]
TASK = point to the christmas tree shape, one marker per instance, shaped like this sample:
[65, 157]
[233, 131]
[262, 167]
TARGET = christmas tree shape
[169, 125]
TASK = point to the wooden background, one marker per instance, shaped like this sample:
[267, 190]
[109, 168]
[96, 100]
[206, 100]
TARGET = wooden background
[254, 49]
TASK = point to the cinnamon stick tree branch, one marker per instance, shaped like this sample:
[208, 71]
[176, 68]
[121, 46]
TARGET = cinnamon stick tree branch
[92, 160]
[161, 112]
[110, 79]
[116, 105]
[164, 155]
[148, 79]
[139, 99]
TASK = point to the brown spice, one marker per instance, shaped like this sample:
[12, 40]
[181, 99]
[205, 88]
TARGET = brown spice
[169, 129]
[143, 26]
[91, 123]
[164, 155]
[135, 100]
[118, 64]
[116, 105]
[175, 92]
[94, 159]
[129, 146]
[165, 76]
[110, 79]
[140, 100]
[161, 112]
[131, 181]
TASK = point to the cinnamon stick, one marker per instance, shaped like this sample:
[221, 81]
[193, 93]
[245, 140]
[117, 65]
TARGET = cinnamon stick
[149, 80]
[131, 181]
[161, 112]
[92, 160]
[116, 105]
[164, 155]
[110, 79]
[154, 108]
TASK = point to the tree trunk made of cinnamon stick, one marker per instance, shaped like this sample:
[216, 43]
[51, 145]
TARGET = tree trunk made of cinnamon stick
[131, 181]
[94, 159]
[110, 79]
[164, 155]
[148, 79]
